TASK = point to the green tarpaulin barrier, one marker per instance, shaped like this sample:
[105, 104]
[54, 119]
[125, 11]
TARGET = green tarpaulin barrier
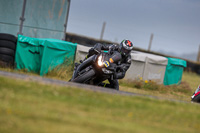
[42, 55]
[174, 71]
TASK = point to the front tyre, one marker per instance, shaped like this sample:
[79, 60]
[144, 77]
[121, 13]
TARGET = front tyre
[196, 99]
[84, 77]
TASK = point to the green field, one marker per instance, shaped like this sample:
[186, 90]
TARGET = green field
[30, 107]
[190, 82]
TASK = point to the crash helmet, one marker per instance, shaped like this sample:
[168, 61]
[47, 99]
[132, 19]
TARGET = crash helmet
[125, 47]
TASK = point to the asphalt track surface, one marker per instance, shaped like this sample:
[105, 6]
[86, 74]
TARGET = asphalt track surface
[77, 85]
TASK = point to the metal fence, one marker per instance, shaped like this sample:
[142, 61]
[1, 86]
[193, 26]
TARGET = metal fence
[34, 18]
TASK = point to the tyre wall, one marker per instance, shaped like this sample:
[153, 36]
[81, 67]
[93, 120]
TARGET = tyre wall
[7, 49]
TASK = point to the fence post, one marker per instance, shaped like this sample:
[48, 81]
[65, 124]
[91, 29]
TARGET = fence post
[66, 20]
[22, 19]
[102, 31]
[150, 42]
[198, 55]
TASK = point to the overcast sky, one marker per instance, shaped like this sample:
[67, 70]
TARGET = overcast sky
[174, 23]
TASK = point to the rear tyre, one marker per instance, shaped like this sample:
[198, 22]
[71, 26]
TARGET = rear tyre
[84, 77]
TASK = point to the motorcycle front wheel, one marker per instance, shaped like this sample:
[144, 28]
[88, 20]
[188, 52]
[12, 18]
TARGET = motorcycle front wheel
[196, 99]
[84, 77]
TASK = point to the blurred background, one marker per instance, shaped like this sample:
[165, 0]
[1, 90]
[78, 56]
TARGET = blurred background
[171, 25]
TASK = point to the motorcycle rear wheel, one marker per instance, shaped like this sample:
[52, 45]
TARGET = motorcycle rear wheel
[84, 77]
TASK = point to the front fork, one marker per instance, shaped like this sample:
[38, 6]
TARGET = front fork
[83, 65]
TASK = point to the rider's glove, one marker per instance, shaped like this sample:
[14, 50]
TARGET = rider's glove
[111, 49]
[97, 48]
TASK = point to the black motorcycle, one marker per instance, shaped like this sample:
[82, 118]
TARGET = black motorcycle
[196, 96]
[97, 68]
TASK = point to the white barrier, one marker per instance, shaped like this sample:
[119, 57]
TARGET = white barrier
[147, 66]
[81, 52]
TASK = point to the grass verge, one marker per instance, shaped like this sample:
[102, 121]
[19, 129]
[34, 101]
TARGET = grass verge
[27, 106]
[179, 92]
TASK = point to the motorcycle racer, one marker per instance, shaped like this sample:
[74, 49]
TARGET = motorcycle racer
[124, 49]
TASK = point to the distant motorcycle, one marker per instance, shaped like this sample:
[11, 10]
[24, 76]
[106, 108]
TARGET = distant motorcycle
[97, 68]
[196, 96]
